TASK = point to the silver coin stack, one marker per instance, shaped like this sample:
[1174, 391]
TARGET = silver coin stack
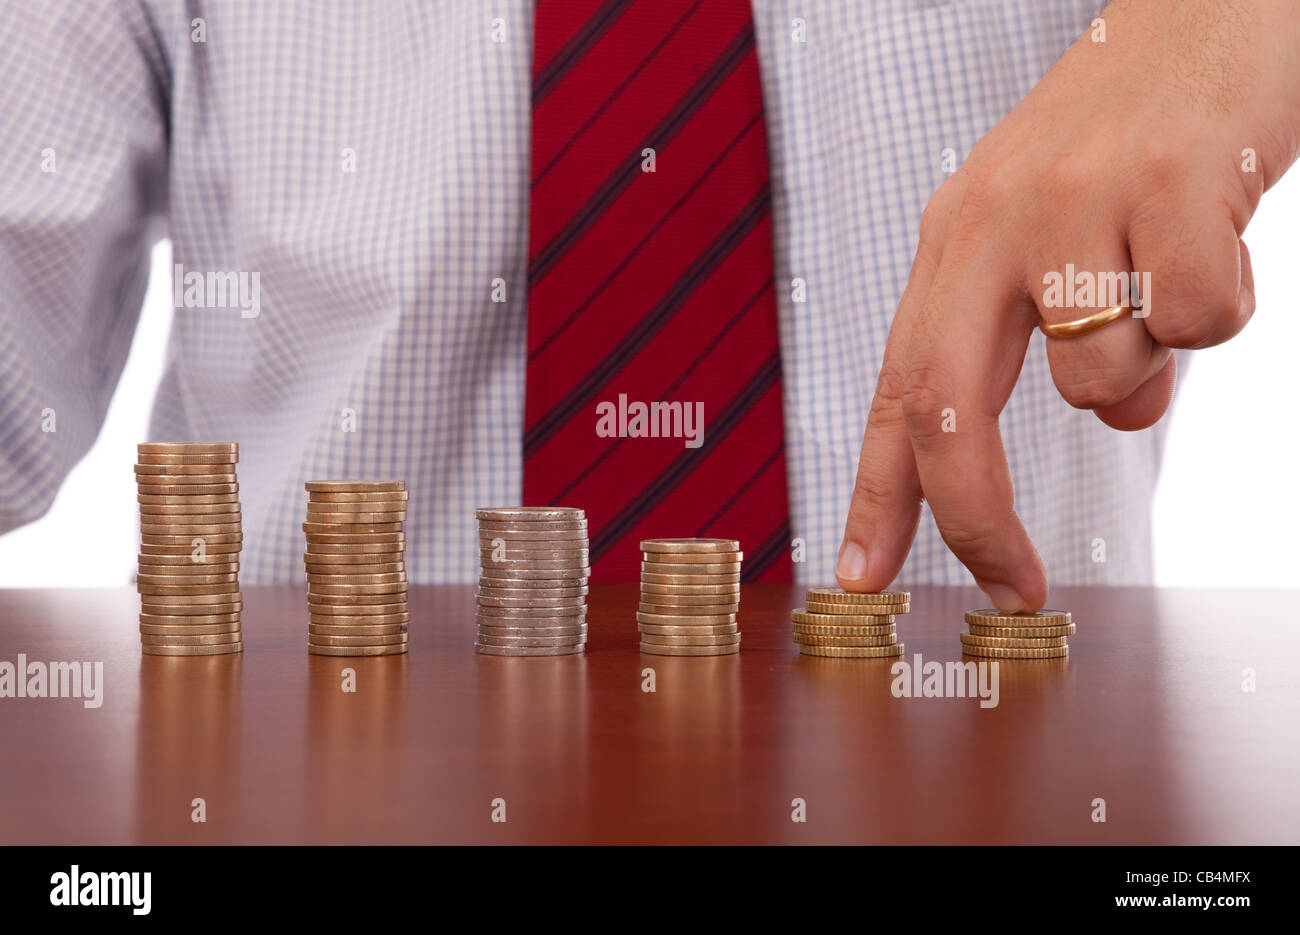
[532, 586]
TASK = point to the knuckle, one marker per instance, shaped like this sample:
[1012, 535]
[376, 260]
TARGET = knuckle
[926, 392]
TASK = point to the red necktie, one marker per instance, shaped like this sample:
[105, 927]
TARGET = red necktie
[653, 287]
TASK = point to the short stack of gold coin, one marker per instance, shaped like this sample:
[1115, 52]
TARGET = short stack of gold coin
[834, 622]
[532, 587]
[356, 571]
[690, 594]
[190, 535]
[996, 635]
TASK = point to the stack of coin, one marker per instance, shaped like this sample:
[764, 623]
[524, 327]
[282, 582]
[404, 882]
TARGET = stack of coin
[190, 534]
[843, 623]
[356, 575]
[532, 587]
[690, 593]
[997, 635]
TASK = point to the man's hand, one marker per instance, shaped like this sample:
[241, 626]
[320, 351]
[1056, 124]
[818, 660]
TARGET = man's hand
[1130, 155]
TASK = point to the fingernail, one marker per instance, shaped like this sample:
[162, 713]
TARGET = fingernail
[1004, 598]
[852, 565]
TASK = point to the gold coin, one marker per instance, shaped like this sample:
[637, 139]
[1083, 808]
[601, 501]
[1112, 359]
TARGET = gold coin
[187, 518]
[367, 601]
[355, 629]
[367, 568]
[347, 519]
[694, 610]
[678, 620]
[856, 652]
[184, 568]
[571, 538]
[856, 610]
[801, 616]
[689, 546]
[187, 460]
[189, 448]
[484, 640]
[529, 514]
[215, 593]
[688, 598]
[717, 629]
[528, 593]
[351, 610]
[360, 620]
[392, 649]
[397, 540]
[571, 631]
[686, 558]
[315, 531]
[689, 590]
[703, 639]
[173, 639]
[578, 576]
[1034, 632]
[183, 483]
[647, 578]
[1041, 618]
[186, 580]
[373, 496]
[378, 587]
[188, 620]
[219, 650]
[1007, 652]
[808, 639]
[366, 506]
[152, 608]
[1012, 642]
[840, 596]
[170, 531]
[184, 629]
[659, 649]
[181, 468]
[167, 493]
[823, 630]
[485, 601]
[729, 571]
[185, 545]
[358, 576]
[573, 610]
[353, 486]
[189, 499]
[353, 553]
[488, 650]
[392, 639]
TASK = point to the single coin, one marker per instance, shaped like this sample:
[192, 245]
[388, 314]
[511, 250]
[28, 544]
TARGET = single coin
[856, 610]
[183, 567]
[689, 546]
[364, 603]
[350, 629]
[383, 554]
[718, 629]
[697, 611]
[808, 639]
[577, 576]
[487, 585]
[840, 596]
[506, 530]
[731, 570]
[1012, 642]
[532, 623]
[330, 508]
[390, 649]
[387, 587]
[1041, 618]
[218, 650]
[166, 492]
[186, 580]
[703, 639]
[182, 469]
[647, 578]
[565, 556]
[528, 593]
[172, 639]
[189, 448]
[320, 639]
[708, 559]
[397, 540]
[360, 620]
[857, 652]
[339, 576]
[801, 616]
[227, 511]
[678, 620]
[318, 609]
[1007, 652]
[579, 565]
[182, 483]
[673, 599]
[573, 631]
[189, 545]
[185, 460]
[353, 486]
[192, 593]
[372, 496]
[568, 539]
[334, 530]
[172, 531]
[183, 629]
[189, 499]
[525, 602]
[347, 519]
[360, 568]
[149, 608]
[188, 620]
[698, 590]
[531, 641]
[529, 514]
[574, 610]
[489, 650]
[1034, 632]
[660, 649]
[817, 629]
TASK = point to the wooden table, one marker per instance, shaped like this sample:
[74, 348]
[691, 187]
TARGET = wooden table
[1148, 713]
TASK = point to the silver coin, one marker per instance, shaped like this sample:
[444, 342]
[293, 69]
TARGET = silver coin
[578, 610]
[523, 602]
[488, 650]
[574, 631]
[529, 514]
[688, 558]
[567, 539]
[485, 622]
[676, 620]
[656, 649]
[576, 577]
[539, 592]
[530, 640]
[697, 611]
[506, 530]
[694, 629]
[564, 556]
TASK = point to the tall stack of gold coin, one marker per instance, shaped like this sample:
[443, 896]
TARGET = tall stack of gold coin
[356, 574]
[190, 534]
[997, 635]
[690, 594]
[532, 586]
[842, 623]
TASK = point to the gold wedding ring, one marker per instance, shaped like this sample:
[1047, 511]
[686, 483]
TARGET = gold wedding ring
[1081, 326]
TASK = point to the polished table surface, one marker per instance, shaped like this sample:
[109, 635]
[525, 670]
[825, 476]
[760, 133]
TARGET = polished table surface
[1148, 713]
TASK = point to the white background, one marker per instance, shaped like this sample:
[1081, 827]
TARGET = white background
[1225, 515]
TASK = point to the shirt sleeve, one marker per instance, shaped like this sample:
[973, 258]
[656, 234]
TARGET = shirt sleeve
[83, 163]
